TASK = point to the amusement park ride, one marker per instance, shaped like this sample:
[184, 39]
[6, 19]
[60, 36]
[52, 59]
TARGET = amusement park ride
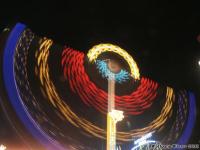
[55, 92]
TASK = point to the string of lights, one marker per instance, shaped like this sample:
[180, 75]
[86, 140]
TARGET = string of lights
[181, 118]
[135, 103]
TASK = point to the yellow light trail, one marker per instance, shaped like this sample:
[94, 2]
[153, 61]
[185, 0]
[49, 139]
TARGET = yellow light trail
[42, 71]
[95, 51]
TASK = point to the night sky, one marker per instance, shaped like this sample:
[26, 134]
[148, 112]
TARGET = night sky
[163, 37]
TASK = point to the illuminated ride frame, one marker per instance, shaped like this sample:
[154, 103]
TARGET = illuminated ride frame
[113, 116]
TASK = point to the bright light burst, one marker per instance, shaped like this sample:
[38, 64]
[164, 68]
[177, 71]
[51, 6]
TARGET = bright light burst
[2, 147]
[117, 115]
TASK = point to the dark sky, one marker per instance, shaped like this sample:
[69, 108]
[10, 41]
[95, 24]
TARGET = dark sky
[162, 36]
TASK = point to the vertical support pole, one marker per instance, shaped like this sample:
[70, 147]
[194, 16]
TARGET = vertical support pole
[111, 94]
[111, 123]
[111, 133]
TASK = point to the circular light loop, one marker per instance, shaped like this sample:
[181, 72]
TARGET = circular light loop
[95, 51]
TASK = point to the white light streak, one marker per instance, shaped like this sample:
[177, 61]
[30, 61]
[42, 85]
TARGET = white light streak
[2, 147]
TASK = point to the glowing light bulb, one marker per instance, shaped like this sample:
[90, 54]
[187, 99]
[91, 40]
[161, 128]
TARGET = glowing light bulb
[117, 115]
[2, 147]
[199, 62]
